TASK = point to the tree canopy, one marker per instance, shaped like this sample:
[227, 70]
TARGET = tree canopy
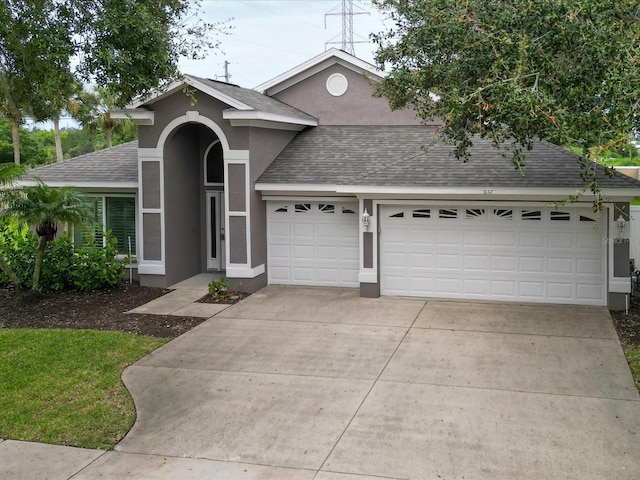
[128, 48]
[516, 70]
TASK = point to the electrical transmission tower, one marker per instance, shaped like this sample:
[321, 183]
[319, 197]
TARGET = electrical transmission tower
[347, 13]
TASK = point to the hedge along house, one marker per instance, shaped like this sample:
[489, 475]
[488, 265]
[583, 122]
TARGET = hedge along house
[272, 185]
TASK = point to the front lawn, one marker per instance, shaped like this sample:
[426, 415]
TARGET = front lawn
[63, 386]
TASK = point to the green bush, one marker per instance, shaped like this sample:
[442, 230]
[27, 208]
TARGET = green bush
[216, 287]
[97, 267]
[91, 267]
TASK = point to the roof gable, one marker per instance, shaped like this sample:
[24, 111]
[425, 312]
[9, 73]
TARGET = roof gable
[317, 64]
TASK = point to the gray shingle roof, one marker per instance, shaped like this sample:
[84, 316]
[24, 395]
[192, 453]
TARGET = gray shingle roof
[113, 165]
[408, 156]
[256, 100]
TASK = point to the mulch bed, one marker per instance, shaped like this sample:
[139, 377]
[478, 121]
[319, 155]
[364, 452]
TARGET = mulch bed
[104, 310]
[628, 325]
[228, 298]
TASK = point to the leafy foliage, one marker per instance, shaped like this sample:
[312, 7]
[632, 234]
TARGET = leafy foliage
[216, 287]
[516, 71]
[91, 267]
[44, 207]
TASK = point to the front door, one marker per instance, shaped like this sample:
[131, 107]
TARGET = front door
[215, 231]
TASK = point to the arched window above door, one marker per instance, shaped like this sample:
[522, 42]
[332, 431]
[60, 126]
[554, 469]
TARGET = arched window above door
[214, 165]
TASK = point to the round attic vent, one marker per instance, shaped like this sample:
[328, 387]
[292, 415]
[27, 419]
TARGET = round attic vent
[337, 84]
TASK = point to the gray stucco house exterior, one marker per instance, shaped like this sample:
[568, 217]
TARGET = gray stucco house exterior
[271, 186]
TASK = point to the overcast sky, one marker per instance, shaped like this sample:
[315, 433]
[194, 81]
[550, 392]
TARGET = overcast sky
[270, 37]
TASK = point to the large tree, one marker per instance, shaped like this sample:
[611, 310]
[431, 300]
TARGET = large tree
[567, 71]
[129, 48]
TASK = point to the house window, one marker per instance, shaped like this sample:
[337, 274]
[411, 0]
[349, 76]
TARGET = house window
[117, 214]
[121, 220]
[562, 216]
[214, 166]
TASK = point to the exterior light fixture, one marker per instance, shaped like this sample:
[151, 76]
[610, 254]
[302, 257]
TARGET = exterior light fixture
[365, 219]
[622, 225]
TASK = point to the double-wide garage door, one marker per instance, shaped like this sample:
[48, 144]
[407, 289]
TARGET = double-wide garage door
[528, 254]
[313, 243]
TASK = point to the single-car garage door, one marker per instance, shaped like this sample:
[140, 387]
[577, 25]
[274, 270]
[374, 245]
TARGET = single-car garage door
[313, 243]
[529, 254]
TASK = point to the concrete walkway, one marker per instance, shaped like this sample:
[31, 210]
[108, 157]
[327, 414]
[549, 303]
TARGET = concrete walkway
[301, 383]
[183, 301]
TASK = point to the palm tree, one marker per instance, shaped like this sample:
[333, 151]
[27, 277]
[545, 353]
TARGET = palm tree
[93, 113]
[44, 207]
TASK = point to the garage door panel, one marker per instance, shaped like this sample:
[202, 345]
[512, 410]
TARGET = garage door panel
[531, 265]
[531, 240]
[561, 291]
[503, 263]
[560, 265]
[518, 254]
[476, 262]
[503, 239]
[560, 240]
[477, 239]
[476, 287]
[589, 266]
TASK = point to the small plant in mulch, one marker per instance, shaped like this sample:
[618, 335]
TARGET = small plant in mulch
[218, 293]
[227, 298]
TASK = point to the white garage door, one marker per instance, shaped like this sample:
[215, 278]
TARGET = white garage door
[313, 243]
[527, 254]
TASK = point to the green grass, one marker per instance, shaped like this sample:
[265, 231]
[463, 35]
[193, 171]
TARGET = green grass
[63, 386]
[632, 352]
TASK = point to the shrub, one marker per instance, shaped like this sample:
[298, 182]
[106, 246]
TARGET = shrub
[216, 287]
[98, 267]
[91, 267]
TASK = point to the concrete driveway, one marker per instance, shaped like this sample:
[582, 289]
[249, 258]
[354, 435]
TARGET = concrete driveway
[308, 383]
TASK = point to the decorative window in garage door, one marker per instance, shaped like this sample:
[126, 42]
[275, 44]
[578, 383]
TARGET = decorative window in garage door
[475, 212]
[448, 213]
[422, 213]
[560, 216]
[503, 213]
[327, 208]
[531, 215]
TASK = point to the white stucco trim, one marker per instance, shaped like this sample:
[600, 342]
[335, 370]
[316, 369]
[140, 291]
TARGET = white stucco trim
[100, 185]
[616, 284]
[270, 118]
[315, 65]
[234, 271]
[188, 117]
[368, 275]
[148, 268]
[136, 115]
[295, 187]
[241, 159]
[487, 193]
[193, 82]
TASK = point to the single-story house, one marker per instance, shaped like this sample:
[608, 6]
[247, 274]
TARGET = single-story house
[310, 180]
